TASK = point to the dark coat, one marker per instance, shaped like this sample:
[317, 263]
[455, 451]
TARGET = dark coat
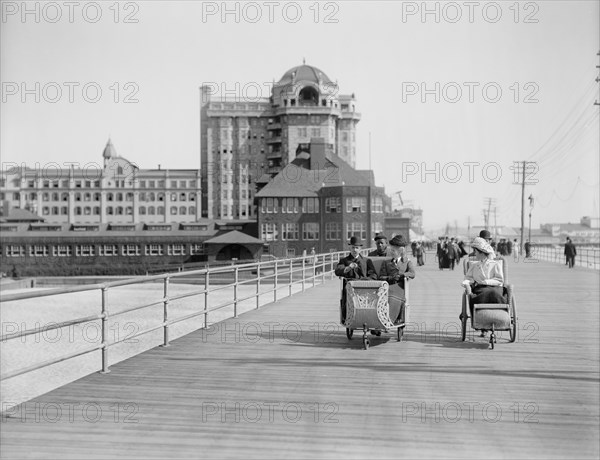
[362, 271]
[570, 250]
[391, 272]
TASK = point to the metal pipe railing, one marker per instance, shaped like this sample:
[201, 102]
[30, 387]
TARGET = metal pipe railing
[293, 265]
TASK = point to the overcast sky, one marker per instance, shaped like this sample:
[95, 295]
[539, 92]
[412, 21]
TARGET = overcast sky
[466, 88]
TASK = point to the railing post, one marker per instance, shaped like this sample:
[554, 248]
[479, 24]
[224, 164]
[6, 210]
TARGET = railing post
[236, 278]
[275, 284]
[105, 369]
[258, 285]
[291, 277]
[166, 313]
[314, 271]
[303, 273]
[206, 288]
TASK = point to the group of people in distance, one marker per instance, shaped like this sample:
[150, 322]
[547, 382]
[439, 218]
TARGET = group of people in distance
[394, 269]
[449, 252]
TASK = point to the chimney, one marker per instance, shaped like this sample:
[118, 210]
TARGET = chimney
[317, 153]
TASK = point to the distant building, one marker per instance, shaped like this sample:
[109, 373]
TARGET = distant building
[244, 142]
[587, 231]
[119, 192]
[319, 201]
[415, 217]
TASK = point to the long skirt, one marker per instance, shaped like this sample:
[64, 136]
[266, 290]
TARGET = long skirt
[487, 294]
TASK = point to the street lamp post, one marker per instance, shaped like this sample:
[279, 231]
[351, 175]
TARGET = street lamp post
[530, 209]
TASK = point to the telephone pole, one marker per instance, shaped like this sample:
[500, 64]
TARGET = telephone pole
[521, 170]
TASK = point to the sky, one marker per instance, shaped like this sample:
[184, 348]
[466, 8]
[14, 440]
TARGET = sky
[451, 94]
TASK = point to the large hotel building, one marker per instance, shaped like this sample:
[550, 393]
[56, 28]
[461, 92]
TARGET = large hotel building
[246, 143]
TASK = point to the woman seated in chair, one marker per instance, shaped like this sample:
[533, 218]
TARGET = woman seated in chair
[394, 271]
[484, 281]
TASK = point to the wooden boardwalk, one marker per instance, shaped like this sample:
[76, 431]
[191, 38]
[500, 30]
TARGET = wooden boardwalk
[285, 382]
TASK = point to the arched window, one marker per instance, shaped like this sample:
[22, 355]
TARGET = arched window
[151, 196]
[109, 210]
[87, 211]
[142, 210]
[119, 210]
[110, 197]
[54, 196]
[96, 210]
[77, 210]
[78, 196]
[64, 211]
[129, 196]
[45, 210]
[182, 197]
[192, 211]
[160, 211]
[161, 197]
[151, 211]
[129, 210]
[173, 210]
[97, 196]
[45, 196]
[64, 196]
[182, 210]
[87, 196]
[192, 196]
[173, 196]
[55, 210]
[119, 196]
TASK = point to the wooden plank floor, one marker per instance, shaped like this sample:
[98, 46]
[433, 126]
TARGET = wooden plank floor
[285, 382]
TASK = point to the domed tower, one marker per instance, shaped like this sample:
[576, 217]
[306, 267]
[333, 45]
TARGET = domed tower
[109, 152]
[307, 105]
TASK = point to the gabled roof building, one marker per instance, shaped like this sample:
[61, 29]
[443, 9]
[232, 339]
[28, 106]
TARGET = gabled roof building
[319, 201]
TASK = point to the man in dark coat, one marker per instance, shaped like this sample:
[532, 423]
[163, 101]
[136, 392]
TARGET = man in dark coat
[381, 242]
[570, 252]
[353, 266]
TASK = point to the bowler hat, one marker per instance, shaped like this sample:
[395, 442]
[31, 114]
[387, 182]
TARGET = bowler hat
[380, 236]
[485, 235]
[356, 241]
[398, 240]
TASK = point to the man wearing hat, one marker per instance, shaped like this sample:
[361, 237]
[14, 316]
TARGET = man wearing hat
[381, 242]
[394, 271]
[354, 265]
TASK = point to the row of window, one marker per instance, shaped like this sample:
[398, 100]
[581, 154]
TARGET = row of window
[118, 210]
[143, 196]
[311, 205]
[65, 183]
[311, 231]
[90, 250]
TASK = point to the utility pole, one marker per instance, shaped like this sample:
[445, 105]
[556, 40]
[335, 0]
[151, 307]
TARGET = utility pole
[521, 170]
[495, 225]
